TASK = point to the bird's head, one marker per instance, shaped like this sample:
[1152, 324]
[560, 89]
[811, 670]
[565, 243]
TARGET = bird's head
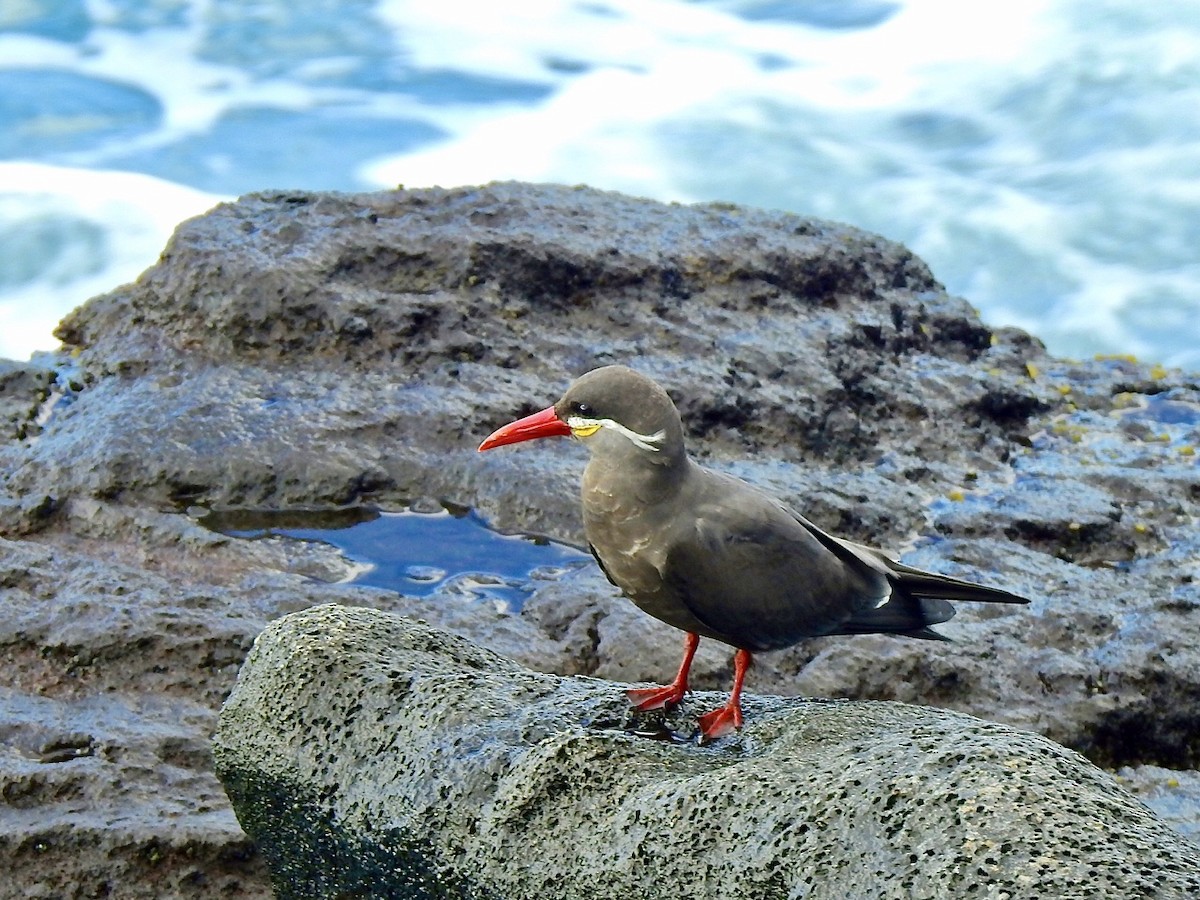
[611, 406]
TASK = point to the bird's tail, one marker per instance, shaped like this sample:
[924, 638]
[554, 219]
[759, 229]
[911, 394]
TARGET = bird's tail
[902, 614]
[930, 585]
[920, 599]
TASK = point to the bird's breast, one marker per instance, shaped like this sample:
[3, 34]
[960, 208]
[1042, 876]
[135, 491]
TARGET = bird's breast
[626, 544]
[629, 539]
[630, 514]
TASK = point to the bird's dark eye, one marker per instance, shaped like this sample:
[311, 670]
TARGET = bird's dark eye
[584, 409]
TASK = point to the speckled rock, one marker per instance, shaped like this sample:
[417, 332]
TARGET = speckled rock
[24, 387]
[368, 754]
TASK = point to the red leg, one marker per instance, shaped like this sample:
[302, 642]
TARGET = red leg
[671, 694]
[723, 720]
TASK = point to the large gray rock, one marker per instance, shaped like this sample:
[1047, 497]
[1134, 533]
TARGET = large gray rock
[370, 755]
[316, 350]
[299, 348]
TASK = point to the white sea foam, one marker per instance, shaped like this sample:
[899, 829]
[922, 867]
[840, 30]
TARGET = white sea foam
[69, 234]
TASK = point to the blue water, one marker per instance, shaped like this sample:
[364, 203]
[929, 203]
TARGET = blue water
[1042, 155]
[421, 553]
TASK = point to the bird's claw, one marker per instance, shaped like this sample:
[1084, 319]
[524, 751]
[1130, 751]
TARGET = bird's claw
[656, 697]
[720, 722]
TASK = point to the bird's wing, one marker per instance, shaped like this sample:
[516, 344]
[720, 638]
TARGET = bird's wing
[758, 577]
[918, 598]
[909, 579]
[600, 563]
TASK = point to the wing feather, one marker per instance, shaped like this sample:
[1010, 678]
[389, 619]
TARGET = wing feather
[758, 576]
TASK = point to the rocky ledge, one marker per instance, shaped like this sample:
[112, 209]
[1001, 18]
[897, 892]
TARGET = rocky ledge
[370, 755]
[322, 351]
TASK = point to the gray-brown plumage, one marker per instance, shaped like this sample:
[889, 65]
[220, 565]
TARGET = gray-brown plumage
[714, 556]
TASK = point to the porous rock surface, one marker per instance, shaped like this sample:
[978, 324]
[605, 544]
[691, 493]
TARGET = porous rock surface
[371, 755]
[316, 350]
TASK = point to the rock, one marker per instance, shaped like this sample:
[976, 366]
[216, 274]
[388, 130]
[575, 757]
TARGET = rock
[316, 351]
[1172, 794]
[111, 681]
[233, 350]
[370, 755]
[24, 387]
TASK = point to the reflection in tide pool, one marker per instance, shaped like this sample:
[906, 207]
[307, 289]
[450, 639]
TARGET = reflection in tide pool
[451, 551]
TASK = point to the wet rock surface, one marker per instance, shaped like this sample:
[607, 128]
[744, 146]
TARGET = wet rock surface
[367, 753]
[315, 350]
[24, 387]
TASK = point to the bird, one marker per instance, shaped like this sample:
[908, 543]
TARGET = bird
[713, 555]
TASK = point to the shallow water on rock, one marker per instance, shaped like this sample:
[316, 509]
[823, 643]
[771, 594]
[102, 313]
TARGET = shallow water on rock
[416, 552]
